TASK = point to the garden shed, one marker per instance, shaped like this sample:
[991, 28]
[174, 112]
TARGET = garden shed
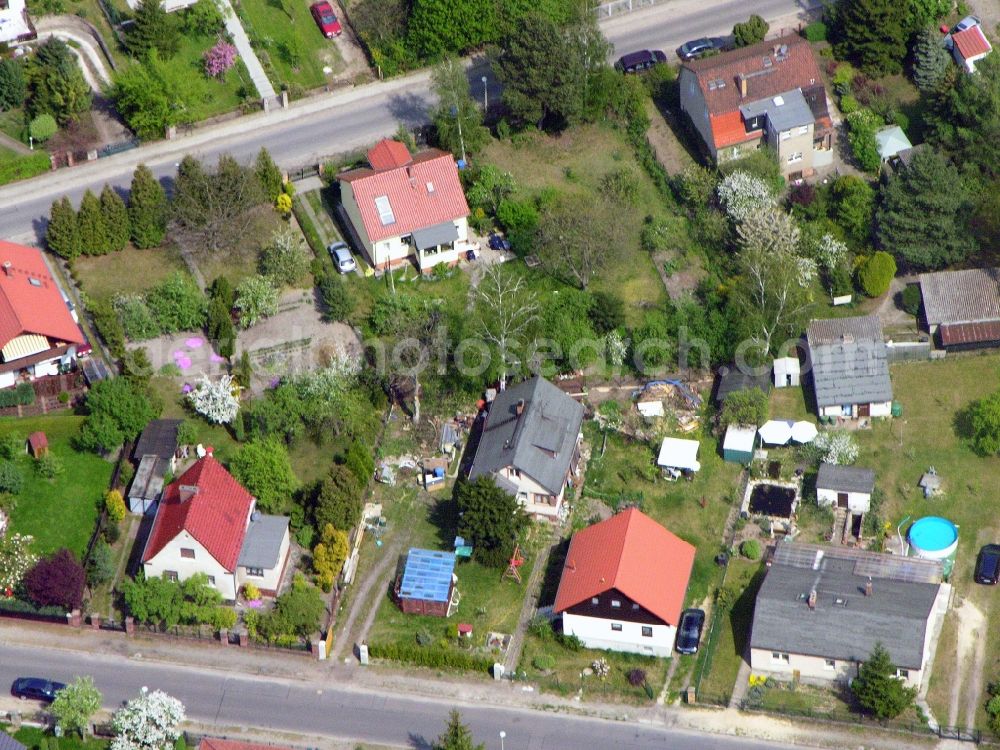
[38, 444]
[677, 455]
[739, 443]
[427, 586]
[787, 372]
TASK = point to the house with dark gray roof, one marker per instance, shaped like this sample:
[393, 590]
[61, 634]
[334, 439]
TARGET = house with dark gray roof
[530, 445]
[155, 454]
[847, 487]
[962, 308]
[731, 378]
[821, 610]
[850, 367]
[9, 743]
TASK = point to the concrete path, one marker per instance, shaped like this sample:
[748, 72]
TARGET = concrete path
[14, 145]
[93, 63]
[533, 589]
[249, 57]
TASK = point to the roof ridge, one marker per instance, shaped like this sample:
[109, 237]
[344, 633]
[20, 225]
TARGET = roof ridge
[630, 516]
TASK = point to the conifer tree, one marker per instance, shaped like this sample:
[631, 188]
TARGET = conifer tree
[115, 218]
[872, 34]
[62, 234]
[90, 220]
[268, 174]
[147, 209]
[457, 736]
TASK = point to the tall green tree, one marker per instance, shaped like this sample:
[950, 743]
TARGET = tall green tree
[872, 34]
[62, 235]
[147, 209]
[13, 85]
[439, 27]
[55, 83]
[547, 69]
[983, 419]
[269, 174]
[148, 100]
[337, 500]
[746, 407]
[115, 217]
[854, 206]
[457, 736]
[491, 519]
[263, 467]
[118, 409]
[93, 232]
[75, 704]
[153, 28]
[931, 62]
[457, 117]
[924, 214]
[878, 690]
[751, 31]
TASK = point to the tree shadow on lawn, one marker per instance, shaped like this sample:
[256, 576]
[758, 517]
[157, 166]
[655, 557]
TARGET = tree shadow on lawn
[553, 572]
[444, 516]
[961, 423]
[741, 614]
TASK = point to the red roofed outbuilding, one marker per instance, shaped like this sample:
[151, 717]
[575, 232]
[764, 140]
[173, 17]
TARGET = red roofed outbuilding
[404, 206]
[623, 585]
[37, 330]
[970, 46]
[206, 522]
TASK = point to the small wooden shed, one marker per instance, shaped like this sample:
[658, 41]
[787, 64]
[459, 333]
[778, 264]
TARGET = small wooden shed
[38, 444]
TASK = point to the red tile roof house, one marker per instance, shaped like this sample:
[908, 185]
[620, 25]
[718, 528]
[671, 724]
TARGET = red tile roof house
[206, 522]
[37, 332]
[404, 206]
[768, 94]
[969, 47]
[623, 585]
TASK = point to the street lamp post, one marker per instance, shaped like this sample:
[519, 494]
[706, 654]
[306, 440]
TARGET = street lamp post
[486, 100]
[31, 142]
[502, 735]
[461, 138]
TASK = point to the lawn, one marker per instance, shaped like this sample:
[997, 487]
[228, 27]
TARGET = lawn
[101, 277]
[206, 97]
[32, 737]
[216, 435]
[12, 123]
[933, 395]
[60, 512]
[288, 43]
[628, 466]
[577, 161]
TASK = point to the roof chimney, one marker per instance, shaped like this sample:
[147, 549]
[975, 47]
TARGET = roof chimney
[776, 50]
[7, 267]
[812, 599]
[188, 491]
[743, 87]
[869, 590]
[519, 408]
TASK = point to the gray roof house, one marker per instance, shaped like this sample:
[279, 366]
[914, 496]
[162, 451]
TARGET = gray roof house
[821, 610]
[850, 367]
[264, 540]
[159, 438]
[845, 478]
[732, 379]
[9, 743]
[529, 444]
[963, 307]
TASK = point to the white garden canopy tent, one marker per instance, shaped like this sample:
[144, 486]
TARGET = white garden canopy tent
[677, 453]
[775, 432]
[804, 432]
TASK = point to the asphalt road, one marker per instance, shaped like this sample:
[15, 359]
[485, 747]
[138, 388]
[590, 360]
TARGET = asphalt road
[338, 123]
[226, 701]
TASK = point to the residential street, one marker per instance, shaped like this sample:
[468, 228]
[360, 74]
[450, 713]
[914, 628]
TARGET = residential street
[226, 701]
[325, 125]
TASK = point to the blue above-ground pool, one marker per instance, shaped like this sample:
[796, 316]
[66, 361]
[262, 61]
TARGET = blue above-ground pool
[933, 537]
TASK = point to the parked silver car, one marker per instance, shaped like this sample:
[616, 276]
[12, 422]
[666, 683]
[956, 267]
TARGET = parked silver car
[342, 258]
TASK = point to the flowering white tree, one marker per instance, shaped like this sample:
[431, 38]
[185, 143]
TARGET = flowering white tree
[149, 722]
[16, 559]
[615, 348]
[742, 195]
[836, 447]
[218, 400]
[829, 252]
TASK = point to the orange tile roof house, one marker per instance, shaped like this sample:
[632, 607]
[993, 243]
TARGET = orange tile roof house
[623, 585]
[404, 206]
[207, 522]
[969, 46]
[37, 331]
[768, 94]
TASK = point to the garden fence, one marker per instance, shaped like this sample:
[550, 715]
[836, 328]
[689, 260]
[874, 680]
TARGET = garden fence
[908, 351]
[606, 10]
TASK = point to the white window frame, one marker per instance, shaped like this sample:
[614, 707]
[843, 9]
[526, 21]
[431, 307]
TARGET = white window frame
[795, 157]
[903, 674]
[255, 572]
[187, 553]
[616, 627]
[786, 134]
[616, 604]
[779, 658]
[830, 664]
[803, 129]
[647, 631]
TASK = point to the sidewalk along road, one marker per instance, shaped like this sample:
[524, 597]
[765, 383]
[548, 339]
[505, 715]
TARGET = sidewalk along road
[320, 126]
[225, 701]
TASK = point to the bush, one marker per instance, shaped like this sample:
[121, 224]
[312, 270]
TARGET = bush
[815, 32]
[569, 642]
[100, 564]
[43, 127]
[750, 549]
[115, 504]
[11, 479]
[22, 395]
[912, 299]
[877, 273]
[541, 628]
[636, 677]
[250, 592]
[430, 657]
[849, 104]
[49, 466]
[24, 167]
[543, 662]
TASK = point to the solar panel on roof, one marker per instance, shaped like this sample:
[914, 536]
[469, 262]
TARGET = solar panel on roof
[427, 575]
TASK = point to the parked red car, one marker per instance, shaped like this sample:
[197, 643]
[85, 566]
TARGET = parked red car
[326, 19]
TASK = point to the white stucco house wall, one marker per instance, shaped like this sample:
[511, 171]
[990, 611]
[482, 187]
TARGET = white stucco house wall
[623, 585]
[206, 522]
[848, 487]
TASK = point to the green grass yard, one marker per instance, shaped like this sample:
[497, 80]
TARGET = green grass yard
[32, 737]
[288, 42]
[60, 512]
[101, 277]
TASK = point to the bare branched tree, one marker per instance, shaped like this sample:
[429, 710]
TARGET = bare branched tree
[504, 308]
[577, 236]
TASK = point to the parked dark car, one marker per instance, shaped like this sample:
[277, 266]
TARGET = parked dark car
[35, 688]
[499, 243]
[636, 62]
[689, 631]
[988, 565]
[697, 47]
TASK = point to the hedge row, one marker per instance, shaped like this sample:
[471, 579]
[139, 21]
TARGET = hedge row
[24, 167]
[21, 395]
[429, 657]
[20, 606]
